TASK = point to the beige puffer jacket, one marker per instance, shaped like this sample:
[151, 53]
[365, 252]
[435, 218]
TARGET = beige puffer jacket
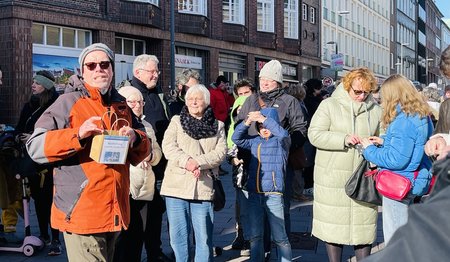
[336, 217]
[142, 180]
[178, 147]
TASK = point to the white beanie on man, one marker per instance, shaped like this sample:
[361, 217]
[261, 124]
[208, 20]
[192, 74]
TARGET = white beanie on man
[272, 70]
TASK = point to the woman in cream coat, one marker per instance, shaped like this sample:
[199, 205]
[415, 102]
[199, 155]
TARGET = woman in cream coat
[142, 185]
[340, 123]
[195, 146]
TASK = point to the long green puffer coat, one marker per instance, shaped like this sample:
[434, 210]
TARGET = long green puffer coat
[336, 217]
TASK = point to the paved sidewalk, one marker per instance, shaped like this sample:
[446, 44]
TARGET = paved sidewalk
[224, 233]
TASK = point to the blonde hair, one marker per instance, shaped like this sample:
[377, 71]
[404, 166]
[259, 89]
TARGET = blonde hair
[398, 90]
[368, 80]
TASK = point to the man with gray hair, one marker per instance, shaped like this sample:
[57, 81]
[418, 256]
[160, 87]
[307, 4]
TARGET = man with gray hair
[90, 202]
[145, 79]
[185, 79]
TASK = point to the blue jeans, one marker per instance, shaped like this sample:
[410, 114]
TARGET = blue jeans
[395, 215]
[272, 206]
[242, 200]
[181, 214]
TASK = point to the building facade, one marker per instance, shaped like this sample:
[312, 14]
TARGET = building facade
[231, 37]
[357, 33]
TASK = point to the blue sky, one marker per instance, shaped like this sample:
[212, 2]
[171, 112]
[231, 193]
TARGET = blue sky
[444, 7]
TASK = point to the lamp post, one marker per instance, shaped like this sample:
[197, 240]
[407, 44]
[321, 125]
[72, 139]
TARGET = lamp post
[335, 42]
[426, 69]
[401, 57]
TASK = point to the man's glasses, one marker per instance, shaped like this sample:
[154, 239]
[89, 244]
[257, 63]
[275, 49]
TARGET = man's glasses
[152, 72]
[134, 103]
[360, 92]
[93, 65]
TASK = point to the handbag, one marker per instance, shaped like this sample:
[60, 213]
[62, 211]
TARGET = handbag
[361, 185]
[393, 185]
[297, 158]
[219, 194]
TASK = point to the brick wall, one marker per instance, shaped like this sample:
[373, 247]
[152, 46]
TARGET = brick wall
[310, 33]
[15, 62]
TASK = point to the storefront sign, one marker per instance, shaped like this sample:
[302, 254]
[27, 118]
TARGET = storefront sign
[289, 70]
[337, 62]
[188, 62]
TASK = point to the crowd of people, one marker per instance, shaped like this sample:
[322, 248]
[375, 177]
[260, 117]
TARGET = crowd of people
[295, 142]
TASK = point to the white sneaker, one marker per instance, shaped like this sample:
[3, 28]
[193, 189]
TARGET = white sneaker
[308, 191]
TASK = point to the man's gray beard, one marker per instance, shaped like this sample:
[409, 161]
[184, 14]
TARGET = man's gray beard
[104, 90]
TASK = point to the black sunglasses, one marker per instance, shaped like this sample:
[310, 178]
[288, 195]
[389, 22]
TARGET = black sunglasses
[359, 92]
[93, 65]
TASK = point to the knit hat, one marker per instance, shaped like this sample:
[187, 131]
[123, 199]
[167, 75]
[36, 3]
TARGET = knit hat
[270, 112]
[127, 91]
[95, 47]
[272, 70]
[44, 81]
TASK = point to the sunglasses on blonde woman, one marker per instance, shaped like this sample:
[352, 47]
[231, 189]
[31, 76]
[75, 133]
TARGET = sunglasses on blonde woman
[360, 92]
[93, 65]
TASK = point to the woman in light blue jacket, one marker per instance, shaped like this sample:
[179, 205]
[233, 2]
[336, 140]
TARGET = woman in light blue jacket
[401, 149]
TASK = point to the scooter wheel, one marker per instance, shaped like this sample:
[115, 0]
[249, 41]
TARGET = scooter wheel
[28, 250]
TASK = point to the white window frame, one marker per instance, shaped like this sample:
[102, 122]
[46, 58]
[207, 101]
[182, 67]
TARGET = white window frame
[291, 19]
[153, 2]
[60, 49]
[305, 12]
[236, 11]
[312, 15]
[193, 7]
[268, 15]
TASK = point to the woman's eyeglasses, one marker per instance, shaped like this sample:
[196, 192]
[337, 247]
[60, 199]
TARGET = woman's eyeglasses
[360, 92]
[93, 65]
[133, 103]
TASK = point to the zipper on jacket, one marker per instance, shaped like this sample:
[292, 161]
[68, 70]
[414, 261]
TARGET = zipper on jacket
[82, 187]
[258, 189]
[274, 181]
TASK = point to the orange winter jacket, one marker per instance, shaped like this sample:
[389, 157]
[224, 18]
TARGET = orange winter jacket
[89, 197]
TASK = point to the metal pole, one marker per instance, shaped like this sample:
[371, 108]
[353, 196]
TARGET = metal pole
[336, 50]
[401, 58]
[426, 71]
[172, 45]
[335, 68]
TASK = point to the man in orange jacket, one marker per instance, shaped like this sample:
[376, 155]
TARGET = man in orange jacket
[90, 202]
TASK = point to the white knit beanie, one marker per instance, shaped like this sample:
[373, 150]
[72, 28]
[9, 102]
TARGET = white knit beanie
[272, 70]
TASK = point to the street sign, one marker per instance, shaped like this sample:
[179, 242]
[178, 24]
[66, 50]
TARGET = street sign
[327, 81]
[337, 62]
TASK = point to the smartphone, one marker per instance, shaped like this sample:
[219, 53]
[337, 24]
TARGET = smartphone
[360, 148]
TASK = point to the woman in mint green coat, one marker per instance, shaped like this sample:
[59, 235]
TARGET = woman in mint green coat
[340, 123]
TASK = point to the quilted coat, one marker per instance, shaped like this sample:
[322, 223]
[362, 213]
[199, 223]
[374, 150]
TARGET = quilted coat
[336, 217]
[178, 147]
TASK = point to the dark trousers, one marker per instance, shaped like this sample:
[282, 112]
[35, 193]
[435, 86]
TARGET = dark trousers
[129, 243]
[41, 187]
[152, 236]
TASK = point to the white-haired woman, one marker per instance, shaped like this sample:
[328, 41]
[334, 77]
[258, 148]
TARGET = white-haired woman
[142, 185]
[194, 145]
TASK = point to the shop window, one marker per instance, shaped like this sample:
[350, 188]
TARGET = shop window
[196, 7]
[38, 33]
[60, 36]
[128, 46]
[233, 11]
[68, 37]
[53, 35]
[265, 15]
[291, 19]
